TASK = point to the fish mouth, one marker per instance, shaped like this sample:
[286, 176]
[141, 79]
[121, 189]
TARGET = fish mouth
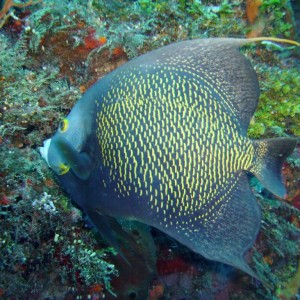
[44, 150]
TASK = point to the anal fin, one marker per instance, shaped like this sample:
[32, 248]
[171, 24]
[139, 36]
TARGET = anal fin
[233, 230]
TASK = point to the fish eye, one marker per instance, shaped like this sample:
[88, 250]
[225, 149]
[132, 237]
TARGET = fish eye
[64, 125]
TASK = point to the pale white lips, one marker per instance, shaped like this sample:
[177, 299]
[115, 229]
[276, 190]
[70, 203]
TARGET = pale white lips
[44, 150]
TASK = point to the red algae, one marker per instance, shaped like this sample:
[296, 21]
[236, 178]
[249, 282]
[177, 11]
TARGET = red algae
[173, 265]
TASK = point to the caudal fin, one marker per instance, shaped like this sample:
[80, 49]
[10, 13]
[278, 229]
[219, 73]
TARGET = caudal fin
[270, 155]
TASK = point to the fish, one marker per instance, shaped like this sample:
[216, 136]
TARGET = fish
[162, 140]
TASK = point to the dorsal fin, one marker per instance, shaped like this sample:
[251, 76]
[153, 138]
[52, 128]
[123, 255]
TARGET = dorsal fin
[233, 75]
[219, 63]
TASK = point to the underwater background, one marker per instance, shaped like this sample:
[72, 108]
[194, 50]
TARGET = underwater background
[51, 52]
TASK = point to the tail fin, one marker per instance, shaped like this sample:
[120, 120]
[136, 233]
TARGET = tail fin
[270, 155]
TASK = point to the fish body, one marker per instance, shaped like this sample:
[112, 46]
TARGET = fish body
[163, 140]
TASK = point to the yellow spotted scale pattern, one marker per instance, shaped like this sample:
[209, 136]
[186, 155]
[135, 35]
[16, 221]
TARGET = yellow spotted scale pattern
[170, 138]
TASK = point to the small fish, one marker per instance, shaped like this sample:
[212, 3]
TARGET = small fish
[163, 140]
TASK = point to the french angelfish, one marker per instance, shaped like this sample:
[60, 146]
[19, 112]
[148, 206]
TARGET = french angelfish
[163, 140]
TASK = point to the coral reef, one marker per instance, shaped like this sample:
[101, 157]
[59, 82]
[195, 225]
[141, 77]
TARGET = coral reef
[50, 53]
[41, 234]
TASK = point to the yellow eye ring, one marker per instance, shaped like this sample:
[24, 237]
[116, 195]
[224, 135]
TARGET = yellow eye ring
[64, 125]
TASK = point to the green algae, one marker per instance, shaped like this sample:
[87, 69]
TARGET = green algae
[278, 109]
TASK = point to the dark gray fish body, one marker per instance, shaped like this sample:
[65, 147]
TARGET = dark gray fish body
[165, 143]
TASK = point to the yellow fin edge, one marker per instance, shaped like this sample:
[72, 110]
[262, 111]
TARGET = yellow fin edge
[274, 39]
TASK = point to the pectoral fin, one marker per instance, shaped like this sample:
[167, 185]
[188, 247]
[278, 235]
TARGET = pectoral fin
[62, 156]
